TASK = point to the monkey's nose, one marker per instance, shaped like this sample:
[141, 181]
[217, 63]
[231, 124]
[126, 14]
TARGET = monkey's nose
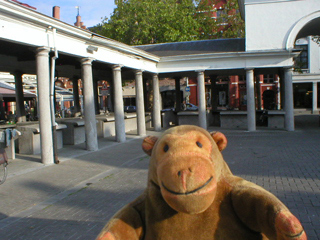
[183, 175]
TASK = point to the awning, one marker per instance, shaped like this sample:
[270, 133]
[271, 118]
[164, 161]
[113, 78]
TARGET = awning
[63, 94]
[5, 93]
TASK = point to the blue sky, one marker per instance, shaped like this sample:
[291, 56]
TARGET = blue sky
[91, 11]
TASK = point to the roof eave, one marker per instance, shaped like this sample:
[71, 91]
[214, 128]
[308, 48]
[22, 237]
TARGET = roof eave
[37, 18]
[123, 47]
[229, 55]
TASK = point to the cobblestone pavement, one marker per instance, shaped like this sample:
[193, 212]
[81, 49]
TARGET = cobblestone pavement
[73, 200]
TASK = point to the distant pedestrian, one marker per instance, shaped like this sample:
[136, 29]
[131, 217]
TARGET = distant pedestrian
[183, 106]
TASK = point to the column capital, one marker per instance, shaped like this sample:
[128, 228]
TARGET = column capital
[42, 51]
[139, 71]
[249, 69]
[200, 71]
[86, 60]
[288, 68]
[155, 76]
[117, 67]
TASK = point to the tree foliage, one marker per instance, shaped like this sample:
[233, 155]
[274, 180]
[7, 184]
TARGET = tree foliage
[222, 21]
[138, 22]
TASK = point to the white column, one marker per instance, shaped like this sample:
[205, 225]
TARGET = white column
[251, 108]
[118, 104]
[288, 99]
[156, 103]
[202, 101]
[141, 119]
[89, 107]
[43, 78]
[315, 97]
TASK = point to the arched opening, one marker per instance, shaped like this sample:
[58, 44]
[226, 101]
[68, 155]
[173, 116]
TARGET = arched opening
[304, 37]
[306, 26]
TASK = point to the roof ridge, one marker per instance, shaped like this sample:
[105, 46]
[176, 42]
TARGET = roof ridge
[196, 41]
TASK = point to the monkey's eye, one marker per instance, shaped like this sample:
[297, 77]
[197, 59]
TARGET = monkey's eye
[166, 148]
[199, 144]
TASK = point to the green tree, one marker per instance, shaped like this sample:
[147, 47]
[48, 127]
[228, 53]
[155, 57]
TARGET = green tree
[136, 22]
[150, 21]
[221, 21]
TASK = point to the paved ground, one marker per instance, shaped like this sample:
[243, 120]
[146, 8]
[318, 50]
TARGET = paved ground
[74, 199]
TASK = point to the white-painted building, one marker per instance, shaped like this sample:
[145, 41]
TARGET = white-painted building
[287, 24]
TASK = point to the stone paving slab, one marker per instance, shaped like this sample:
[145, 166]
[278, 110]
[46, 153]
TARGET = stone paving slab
[36, 184]
[286, 164]
[82, 214]
[90, 190]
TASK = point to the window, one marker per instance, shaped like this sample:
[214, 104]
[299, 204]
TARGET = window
[268, 78]
[242, 78]
[301, 61]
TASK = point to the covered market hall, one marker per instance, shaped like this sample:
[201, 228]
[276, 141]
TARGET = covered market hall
[34, 43]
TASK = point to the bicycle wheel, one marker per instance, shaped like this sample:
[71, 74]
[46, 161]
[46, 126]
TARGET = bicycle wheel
[3, 172]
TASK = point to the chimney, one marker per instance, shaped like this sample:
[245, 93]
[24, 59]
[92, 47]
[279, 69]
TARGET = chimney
[56, 12]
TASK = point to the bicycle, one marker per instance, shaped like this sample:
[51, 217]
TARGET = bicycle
[3, 166]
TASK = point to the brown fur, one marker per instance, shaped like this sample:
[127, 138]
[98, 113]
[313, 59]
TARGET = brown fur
[192, 194]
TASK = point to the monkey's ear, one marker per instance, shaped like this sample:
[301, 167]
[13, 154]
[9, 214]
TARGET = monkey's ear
[148, 143]
[220, 140]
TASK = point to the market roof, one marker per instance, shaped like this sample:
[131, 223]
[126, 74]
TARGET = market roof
[195, 47]
[8, 90]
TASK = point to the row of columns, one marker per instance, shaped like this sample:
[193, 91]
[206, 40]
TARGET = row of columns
[251, 107]
[43, 78]
[43, 82]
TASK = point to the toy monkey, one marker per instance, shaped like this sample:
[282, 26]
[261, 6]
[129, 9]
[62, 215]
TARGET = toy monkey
[192, 195]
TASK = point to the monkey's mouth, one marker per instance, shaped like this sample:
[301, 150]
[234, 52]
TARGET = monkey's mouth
[189, 192]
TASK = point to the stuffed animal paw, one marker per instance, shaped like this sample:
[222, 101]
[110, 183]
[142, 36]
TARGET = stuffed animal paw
[288, 227]
[106, 236]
